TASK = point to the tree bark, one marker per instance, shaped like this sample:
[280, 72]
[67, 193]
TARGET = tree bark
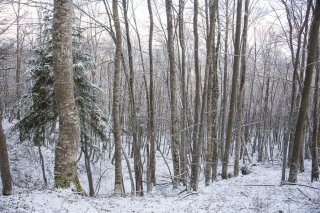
[304, 105]
[241, 90]
[87, 164]
[314, 141]
[4, 162]
[152, 160]
[233, 98]
[213, 91]
[296, 78]
[184, 96]
[18, 58]
[175, 125]
[225, 82]
[196, 141]
[134, 122]
[69, 127]
[118, 186]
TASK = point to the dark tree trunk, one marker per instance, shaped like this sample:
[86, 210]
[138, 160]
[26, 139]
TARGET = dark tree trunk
[196, 145]
[4, 162]
[175, 124]
[184, 137]
[212, 97]
[233, 97]
[152, 138]
[87, 164]
[311, 58]
[314, 141]
[134, 122]
[241, 90]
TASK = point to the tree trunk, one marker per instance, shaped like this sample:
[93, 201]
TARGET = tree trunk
[225, 82]
[312, 46]
[18, 58]
[241, 90]
[213, 91]
[175, 125]
[69, 128]
[214, 101]
[39, 144]
[134, 122]
[118, 186]
[196, 145]
[4, 162]
[87, 164]
[296, 79]
[152, 160]
[233, 97]
[314, 141]
[184, 96]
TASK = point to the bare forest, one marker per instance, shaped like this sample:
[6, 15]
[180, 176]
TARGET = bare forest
[159, 106]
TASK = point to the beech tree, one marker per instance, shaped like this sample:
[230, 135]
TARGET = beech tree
[151, 109]
[118, 187]
[241, 90]
[4, 158]
[211, 164]
[65, 171]
[4, 161]
[315, 131]
[233, 97]
[196, 141]
[175, 125]
[311, 58]
[136, 142]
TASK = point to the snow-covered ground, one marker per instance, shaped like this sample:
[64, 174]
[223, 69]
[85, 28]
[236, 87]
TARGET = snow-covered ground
[259, 191]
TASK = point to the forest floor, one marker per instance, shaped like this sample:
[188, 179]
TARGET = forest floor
[259, 191]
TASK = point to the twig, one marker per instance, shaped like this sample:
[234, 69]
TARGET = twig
[99, 180]
[167, 166]
[187, 195]
[305, 195]
[182, 191]
[296, 184]
[130, 172]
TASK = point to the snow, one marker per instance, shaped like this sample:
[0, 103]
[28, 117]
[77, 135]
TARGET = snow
[259, 191]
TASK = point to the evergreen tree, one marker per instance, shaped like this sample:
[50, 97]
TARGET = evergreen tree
[42, 114]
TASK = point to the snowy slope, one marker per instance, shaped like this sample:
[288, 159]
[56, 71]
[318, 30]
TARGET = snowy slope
[259, 191]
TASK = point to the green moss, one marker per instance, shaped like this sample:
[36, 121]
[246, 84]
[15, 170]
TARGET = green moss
[78, 186]
[6, 192]
[61, 183]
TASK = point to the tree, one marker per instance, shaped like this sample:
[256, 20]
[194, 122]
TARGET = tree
[4, 158]
[152, 159]
[293, 21]
[315, 131]
[65, 171]
[17, 12]
[175, 125]
[225, 80]
[195, 136]
[241, 89]
[213, 95]
[4, 161]
[118, 187]
[134, 122]
[233, 97]
[304, 104]
[184, 94]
